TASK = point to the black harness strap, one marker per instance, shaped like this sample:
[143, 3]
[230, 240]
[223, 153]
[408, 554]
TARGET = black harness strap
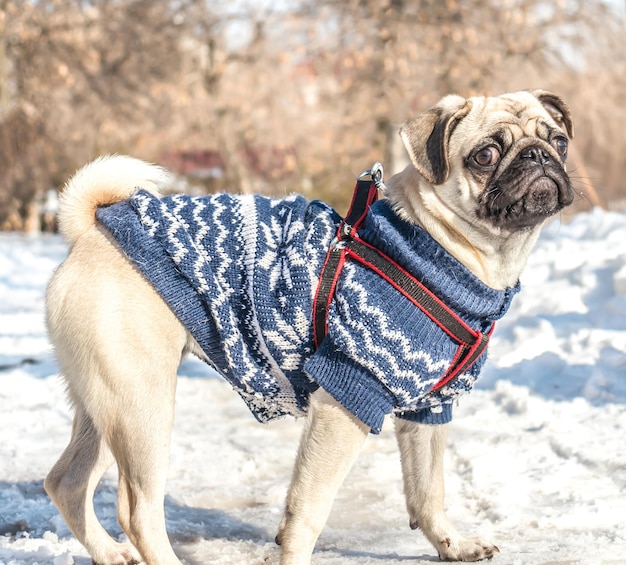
[331, 270]
[365, 194]
[347, 244]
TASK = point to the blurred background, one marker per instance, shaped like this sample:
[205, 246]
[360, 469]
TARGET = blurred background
[279, 96]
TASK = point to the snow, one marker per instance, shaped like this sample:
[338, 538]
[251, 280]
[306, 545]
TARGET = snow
[536, 460]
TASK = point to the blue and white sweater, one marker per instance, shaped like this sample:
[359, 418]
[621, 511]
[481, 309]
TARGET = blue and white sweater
[241, 272]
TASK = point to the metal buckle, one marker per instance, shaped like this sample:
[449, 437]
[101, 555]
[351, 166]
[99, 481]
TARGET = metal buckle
[376, 174]
[338, 244]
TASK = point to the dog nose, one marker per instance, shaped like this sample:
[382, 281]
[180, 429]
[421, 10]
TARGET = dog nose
[537, 154]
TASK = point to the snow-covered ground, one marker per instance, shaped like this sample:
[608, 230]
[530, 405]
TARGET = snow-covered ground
[537, 455]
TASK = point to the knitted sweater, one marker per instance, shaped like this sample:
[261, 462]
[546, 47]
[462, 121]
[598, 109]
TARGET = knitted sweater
[240, 272]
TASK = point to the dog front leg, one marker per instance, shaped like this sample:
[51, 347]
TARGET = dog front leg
[422, 447]
[331, 441]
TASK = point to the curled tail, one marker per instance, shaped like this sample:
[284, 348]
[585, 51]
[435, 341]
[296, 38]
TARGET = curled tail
[104, 181]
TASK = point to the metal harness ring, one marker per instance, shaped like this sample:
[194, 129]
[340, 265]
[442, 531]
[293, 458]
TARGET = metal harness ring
[376, 174]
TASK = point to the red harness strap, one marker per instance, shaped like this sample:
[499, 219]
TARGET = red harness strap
[348, 245]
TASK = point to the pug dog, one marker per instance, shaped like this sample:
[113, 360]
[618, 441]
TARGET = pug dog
[232, 279]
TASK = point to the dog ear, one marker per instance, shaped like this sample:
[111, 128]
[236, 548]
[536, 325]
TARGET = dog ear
[557, 108]
[426, 137]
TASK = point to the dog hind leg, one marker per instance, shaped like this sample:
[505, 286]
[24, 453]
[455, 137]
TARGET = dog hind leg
[119, 347]
[331, 442]
[141, 447]
[71, 484]
[139, 423]
[422, 448]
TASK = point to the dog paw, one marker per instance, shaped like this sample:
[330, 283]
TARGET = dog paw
[466, 549]
[123, 554]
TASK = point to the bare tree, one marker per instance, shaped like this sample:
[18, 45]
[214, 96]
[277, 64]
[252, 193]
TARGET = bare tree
[285, 98]
[81, 78]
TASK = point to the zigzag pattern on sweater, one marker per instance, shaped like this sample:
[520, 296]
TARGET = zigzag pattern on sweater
[240, 272]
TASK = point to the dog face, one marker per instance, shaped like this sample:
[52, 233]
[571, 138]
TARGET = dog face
[495, 161]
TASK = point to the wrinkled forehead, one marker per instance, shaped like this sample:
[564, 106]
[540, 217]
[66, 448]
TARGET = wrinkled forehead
[505, 119]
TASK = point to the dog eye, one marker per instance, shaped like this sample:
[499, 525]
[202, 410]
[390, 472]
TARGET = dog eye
[560, 144]
[487, 156]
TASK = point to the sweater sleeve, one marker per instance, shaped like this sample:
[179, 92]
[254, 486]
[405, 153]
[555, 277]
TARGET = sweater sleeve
[437, 414]
[350, 384]
[362, 394]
